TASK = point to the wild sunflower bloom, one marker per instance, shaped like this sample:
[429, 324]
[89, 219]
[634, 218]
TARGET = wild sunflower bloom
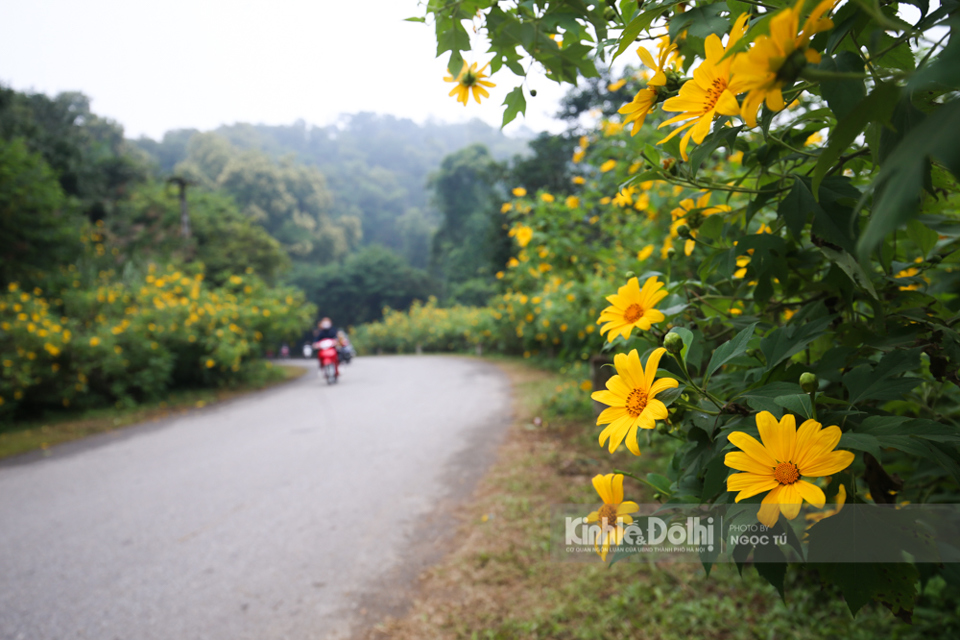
[637, 109]
[712, 91]
[614, 513]
[632, 307]
[775, 61]
[469, 79]
[631, 401]
[522, 233]
[692, 213]
[778, 465]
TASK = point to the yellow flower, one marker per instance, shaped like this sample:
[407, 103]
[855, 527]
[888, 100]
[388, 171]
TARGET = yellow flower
[711, 91]
[614, 513]
[841, 500]
[814, 138]
[742, 263]
[645, 253]
[513, 262]
[637, 109]
[210, 363]
[777, 465]
[469, 79]
[507, 206]
[631, 399]
[578, 180]
[775, 60]
[519, 192]
[522, 233]
[632, 307]
[608, 165]
[625, 197]
[546, 197]
[687, 211]
[573, 202]
[616, 86]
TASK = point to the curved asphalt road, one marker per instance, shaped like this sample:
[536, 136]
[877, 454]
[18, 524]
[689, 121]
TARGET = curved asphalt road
[285, 514]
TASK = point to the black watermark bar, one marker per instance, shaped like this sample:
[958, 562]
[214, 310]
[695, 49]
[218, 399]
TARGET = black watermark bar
[858, 533]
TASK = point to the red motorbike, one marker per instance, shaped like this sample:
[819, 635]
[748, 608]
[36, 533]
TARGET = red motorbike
[329, 359]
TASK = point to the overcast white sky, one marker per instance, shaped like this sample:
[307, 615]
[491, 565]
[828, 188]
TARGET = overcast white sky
[156, 66]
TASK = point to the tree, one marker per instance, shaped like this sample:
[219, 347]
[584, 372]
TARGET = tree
[357, 290]
[37, 230]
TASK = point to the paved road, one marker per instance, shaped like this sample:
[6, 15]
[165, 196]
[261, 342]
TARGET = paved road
[285, 514]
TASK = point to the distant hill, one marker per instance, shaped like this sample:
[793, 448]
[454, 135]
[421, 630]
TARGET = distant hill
[377, 166]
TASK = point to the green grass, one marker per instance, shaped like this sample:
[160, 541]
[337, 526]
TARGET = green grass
[501, 582]
[63, 427]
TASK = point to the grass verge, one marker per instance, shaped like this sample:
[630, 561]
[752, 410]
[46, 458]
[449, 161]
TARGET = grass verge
[42, 434]
[500, 583]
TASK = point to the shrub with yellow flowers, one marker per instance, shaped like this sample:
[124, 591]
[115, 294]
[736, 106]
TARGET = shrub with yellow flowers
[103, 337]
[768, 238]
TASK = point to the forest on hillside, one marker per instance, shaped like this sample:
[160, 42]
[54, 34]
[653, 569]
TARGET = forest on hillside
[132, 267]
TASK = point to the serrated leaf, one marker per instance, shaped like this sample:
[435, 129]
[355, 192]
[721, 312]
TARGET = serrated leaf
[868, 382]
[860, 442]
[790, 340]
[733, 348]
[876, 107]
[515, 103]
[843, 95]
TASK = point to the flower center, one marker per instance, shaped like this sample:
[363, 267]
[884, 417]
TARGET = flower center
[786, 473]
[468, 79]
[718, 86]
[636, 402]
[633, 313]
[608, 512]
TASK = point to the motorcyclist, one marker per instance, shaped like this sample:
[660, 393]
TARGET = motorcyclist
[326, 330]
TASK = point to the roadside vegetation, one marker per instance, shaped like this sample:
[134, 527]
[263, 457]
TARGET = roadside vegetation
[499, 581]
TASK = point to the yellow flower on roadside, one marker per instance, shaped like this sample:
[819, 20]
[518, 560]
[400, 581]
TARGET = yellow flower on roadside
[614, 513]
[470, 79]
[546, 197]
[637, 109]
[775, 61]
[608, 165]
[519, 192]
[572, 202]
[94, 341]
[631, 401]
[786, 455]
[522, 233]
[712, 91]
[506, 206]
[578, 180]
[645, 253]
[632, 307]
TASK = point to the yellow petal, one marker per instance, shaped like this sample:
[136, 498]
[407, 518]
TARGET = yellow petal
[778, 438]
[616, 487]
[602, 484]
[811, 493]
[749, 445]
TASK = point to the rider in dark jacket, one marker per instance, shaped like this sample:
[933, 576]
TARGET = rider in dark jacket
[326, 331]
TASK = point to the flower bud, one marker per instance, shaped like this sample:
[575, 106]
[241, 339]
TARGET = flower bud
[533, 93]
[683, 231]
[671, 252]
[673, 342]
[809, 382]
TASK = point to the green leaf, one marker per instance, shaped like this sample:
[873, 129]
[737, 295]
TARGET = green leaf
[415, 19]
[714, 477]
[843, 95]
[699, 22]
[876, 107]
[897, 187]
[860, 442]
[721, 137]
[633, 29]
[877, 383]
[799, 404]
[923, 236]
[515, 104]
[668, 396]
[771, 564]
[790, 340]
[861, 583]
[733, 348]
[662, 483]
[852, 268]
